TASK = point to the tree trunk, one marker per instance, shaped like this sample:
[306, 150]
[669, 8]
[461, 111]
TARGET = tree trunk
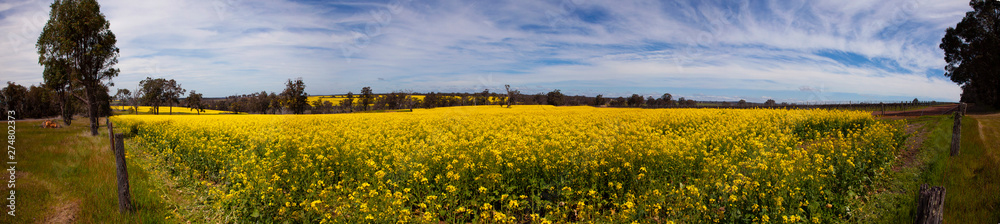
[92, 97]
[82, 99]
[65, 106]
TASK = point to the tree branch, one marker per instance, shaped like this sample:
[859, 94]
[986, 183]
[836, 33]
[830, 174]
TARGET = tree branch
[85, 101]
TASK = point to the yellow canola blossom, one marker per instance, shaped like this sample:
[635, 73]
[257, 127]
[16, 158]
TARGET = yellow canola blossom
[527, 163]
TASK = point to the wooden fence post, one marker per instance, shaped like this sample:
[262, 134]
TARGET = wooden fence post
[956, 134]
[962, 108]
[930, 207]
[111, 134]
[124, 197]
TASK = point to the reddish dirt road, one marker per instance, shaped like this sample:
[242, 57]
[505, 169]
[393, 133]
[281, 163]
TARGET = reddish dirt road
[933, 110]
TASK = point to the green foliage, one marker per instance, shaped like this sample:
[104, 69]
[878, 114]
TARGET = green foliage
[30, 102]
[348, 104]
[394, 100]
[157, 92]
[295, 97]
[599, 100]
[78, 51]
[667, 99]
[635, 100]
[431, 100]
[366, 97]
[555, 98]
[970, 50]
[13, 96]
[193, 101]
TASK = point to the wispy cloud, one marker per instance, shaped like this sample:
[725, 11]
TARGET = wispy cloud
[791, 50]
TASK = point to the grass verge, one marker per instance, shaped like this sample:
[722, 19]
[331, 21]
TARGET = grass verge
[65, 175]
[971, 179]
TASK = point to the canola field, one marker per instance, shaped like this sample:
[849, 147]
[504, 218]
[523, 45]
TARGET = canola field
[536, 164]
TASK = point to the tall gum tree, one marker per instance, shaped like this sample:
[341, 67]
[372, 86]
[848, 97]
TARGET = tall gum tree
[78, 51]
[972, 50]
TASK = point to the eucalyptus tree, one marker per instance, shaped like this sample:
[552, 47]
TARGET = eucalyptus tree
[78, 51]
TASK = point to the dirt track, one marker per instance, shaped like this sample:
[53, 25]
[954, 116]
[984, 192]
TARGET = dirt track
[933, 110]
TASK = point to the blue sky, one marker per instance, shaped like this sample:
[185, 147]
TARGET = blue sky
[790, 51]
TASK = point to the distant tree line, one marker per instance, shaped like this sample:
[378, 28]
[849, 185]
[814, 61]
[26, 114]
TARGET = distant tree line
[257, 103]
[38, 102]
[294, 100]
[42, 101]
[158, 92]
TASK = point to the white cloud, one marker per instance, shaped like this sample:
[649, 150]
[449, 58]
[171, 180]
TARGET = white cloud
[224, 47]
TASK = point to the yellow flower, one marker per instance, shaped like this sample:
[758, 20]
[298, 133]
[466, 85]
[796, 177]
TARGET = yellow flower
[686, 158]
[314, 203]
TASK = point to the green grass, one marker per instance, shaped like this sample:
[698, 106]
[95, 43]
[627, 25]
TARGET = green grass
[971, 179]
[66, 173]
